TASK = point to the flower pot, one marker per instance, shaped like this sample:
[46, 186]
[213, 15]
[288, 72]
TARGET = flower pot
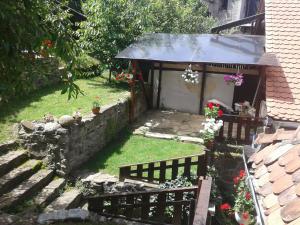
[240, 219]
[96, 110]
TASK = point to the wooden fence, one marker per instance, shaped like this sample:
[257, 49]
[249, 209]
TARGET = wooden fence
[237, 128]
[160, 171]
[169, 206]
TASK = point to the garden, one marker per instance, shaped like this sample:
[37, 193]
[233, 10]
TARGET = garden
[83, 118]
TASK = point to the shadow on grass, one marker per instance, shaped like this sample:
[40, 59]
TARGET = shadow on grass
[98, 161]
[113, 87]
[15, 105]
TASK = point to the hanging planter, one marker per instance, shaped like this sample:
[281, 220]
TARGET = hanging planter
[189, 76]
[236, 79]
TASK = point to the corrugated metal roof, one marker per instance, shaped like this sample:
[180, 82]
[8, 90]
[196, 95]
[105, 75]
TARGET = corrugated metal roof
[200, 48]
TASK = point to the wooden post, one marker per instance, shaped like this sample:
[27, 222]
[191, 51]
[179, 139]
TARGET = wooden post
[152, 84]
[202, 89]
[159, 86]
[109, 78]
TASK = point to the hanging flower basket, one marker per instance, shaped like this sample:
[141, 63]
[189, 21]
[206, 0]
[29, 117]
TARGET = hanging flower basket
[189, 76]
[236, 79]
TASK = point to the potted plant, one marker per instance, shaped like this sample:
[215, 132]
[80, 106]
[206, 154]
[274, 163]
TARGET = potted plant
[243, 203]
[96, 106]
[211, 128]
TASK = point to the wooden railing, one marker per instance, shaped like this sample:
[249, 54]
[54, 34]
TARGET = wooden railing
[160, 171]
[202, 216]
[148, 206]
[237, 128]
[169, 206]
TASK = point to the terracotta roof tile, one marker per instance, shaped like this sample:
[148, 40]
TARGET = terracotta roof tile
[282, 184]
[274, 155]
[285, 159]
[287, 196]
[270, 200]
[275, 218]
[277, 181]
[293, 165]
[261, 154]
[276, 173]
[291, 211]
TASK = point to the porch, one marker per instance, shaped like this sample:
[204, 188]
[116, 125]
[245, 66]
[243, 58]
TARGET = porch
[171, 124]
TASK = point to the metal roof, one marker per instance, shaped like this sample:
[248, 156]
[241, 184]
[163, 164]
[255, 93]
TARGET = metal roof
[200, 48]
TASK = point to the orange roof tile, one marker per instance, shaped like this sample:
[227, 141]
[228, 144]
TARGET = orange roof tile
[283, 39]
[277, 179]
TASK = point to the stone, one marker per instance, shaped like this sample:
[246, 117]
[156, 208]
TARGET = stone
[100, 178]
[160, 135]
[66, 120]
[191, 139]
[51, 127]
[28, 125]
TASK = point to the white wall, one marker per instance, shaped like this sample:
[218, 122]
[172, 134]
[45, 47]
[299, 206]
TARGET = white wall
[179, 95]
[216, 88]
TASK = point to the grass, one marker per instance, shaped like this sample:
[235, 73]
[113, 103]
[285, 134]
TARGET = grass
[131, 149]
[50, 100]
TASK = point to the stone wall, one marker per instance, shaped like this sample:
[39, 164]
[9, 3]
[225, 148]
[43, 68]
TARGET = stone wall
[65, 144]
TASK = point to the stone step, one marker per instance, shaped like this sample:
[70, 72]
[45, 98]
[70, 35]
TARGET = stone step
[8, 146]
[68, 200]
[50, 192]
[16, 176]
[11, 160]
[26, 189]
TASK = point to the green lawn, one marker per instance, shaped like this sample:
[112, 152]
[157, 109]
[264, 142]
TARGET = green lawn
[50, 100]
[130, 149]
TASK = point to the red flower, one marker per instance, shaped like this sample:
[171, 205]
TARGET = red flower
[218, 105]
[242, 173]
[246, 215]
[210, 105]
[248, 196]
[225, 207]
[220, 113]
[236, 180]
[48, 43]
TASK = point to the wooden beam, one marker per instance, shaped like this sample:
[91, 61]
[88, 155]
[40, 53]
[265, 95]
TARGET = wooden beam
[152, 83]
[203, 81]
[237, 23]
[201, 213]
[159, 86]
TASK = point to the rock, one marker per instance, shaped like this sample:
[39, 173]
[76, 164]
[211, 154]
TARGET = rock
[51, 127]
[28, 125]
[99, 178]
[66, 120]
[48, 118]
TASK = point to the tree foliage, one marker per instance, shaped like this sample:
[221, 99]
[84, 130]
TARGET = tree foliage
[112, 25]
[29, 29]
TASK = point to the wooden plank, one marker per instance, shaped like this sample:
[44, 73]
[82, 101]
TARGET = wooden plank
[145, 207]
[178, 209]
[140, 171]
[239, 130]
[187, 167]
[161, 206]
[129, 206]
[203, 202]
[152, 83]
[201, 167]
[150, 172]
[124, 172]
[203, 83]
[114, 205]
[229, 131]
[237, 23]
[162, 172]
[174, 169]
